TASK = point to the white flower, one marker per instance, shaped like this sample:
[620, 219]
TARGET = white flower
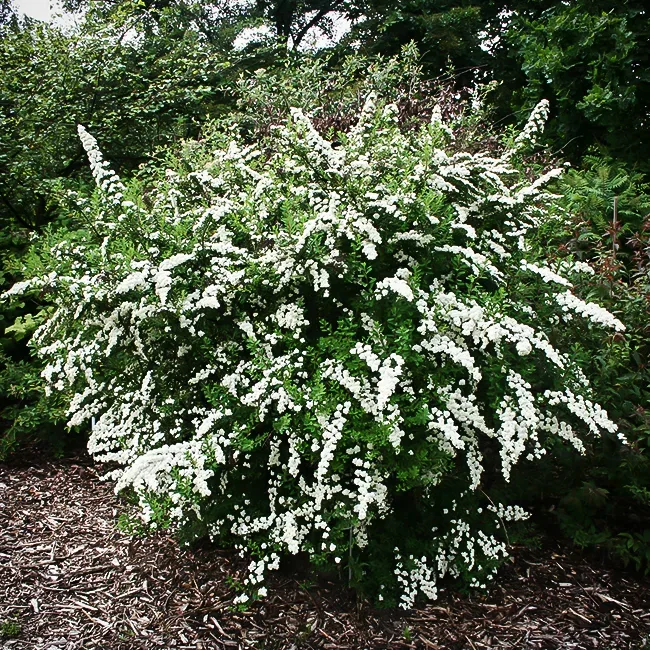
[294, 331]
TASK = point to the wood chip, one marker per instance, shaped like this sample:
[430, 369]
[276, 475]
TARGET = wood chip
[72, 579]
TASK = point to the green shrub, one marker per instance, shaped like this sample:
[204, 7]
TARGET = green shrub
[606, 499]
[337, 349]
[138, 96]
[27, 416]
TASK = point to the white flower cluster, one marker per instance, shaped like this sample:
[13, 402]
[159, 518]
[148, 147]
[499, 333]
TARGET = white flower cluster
[534, 126]
[509, 513]
[294, 334]
[104, 176]
[589, 310]
[421, 578]
[569, 266]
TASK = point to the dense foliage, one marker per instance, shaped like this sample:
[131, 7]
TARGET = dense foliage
[302, 347]
[608, 502]
[137, 94]
[145, 75]
[591, 60]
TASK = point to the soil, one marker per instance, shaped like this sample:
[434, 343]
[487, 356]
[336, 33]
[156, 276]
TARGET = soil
[71, 579]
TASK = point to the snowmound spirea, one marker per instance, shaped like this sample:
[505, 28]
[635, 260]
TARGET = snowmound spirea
[301, 347]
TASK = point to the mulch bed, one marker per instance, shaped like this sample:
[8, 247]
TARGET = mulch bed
[70, 579]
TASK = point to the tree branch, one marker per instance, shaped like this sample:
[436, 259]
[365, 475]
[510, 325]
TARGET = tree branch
[297, 39]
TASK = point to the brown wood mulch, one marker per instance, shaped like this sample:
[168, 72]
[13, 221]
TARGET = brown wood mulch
[69, 579]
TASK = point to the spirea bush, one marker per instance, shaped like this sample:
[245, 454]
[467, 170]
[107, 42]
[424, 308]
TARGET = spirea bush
[335, 350]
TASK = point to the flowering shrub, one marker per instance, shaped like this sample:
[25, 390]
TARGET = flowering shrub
[297, 347]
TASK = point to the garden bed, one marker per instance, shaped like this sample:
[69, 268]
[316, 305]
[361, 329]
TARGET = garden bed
[69, 578]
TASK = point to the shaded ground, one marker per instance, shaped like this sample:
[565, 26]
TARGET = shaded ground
[69, 579]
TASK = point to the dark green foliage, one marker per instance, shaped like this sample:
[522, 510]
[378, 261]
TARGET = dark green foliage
[27, 416]
[137, 94]
[591, 60]
[606, 501]
[447, 33]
